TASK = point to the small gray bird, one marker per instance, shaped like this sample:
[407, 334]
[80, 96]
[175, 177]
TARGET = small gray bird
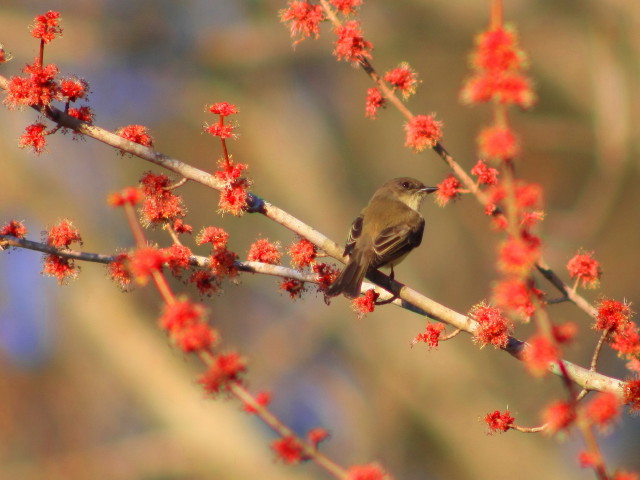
[388, 228]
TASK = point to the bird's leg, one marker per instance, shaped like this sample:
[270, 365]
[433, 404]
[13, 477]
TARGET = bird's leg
[392, 274]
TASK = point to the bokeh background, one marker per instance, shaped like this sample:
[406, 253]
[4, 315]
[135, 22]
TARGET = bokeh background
[90, 389]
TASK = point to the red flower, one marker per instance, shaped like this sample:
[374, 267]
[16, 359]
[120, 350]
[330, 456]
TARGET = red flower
[586, 459]
[499, 422]
[366, 472]
[224, 370]
[263, 251]
[216, 236]
[59, 267]
[518, 255]
[233, 199]
[585, 269]
[180, 227]
[498, 143]
[603, 409]
[302, 253]
[118, 272]
[350, 44]
[373, 101]
[486, 175]
[303, 19]
[159, 204]
[195, 337]
[84, 114]
[136, 134]
[612, 315]
[63, 234]
[72, 89]
[559, 416]
[144, 261]
[346, 7]
[262, 399]
[513, 294]
[497, 49]
[626, 341]
[365, 303]
[448, 189]
[422, 131]
[46, 27]
[288, 450]
[564, 333]
[128, 195]
[220, 130]
[204, 281]
[493, 328]
[623, 475]
[317, 435]
[631, 391]
[295, 288]
[14, 228]
[502, 87]
[326, 275]
[538, 354]
[404, 78]
[223, 109]
[431, 335]
[223, 263]
[177, 258]
[34, 137]
[38, 87]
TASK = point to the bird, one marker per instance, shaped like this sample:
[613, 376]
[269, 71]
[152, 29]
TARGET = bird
[384, 233]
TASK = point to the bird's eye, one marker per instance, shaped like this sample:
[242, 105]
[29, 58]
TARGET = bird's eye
[405, 184]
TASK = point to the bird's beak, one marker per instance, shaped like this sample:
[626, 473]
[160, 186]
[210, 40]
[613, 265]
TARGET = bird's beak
[429, 189]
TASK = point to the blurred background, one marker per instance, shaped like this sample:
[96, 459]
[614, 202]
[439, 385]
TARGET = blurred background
[90, 389]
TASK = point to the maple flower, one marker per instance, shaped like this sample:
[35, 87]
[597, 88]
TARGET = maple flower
[180, 227]
[288, 450]
[72, 89]
[631, 391]
[225, 369]
[486, 175]
[366, 472]
[233, 199]
[84, 114]
[326, 274]
[585, 269]
[612, 315]
[59, 267]
[498, 143]
[205, 282]
[559, 415]
[346, 7]
[403, 78]
[264, 251]
[564, 333]
[373, 101]
[177, 258]
[518, 254]
[586, 459]
[493, 327]
[303, 19]
[216, 236]
[302, 253]
[513, 294]
[497, 49]
[624, 475]
[229, 172]
[538, 354]
[603, 409]
[317, 435]
[262, 399]
[431, 335]
[38, 87]
[159, 204]
[144, 261]
[223, 109]
[118, 272]
[220, 130]
[365, 303]
[499, 422]
[128, 195]
[502, 87]
[46, 27]
[136, 134]
[34, 137]
[422, 131]
[195, 337]
[350, 44]
[448, 189]
[14, 228]
[626, 341]
[293, 287]
[62, 235]
[223, 263]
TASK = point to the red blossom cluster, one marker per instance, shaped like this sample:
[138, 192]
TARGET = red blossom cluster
[499, 421]
[367, 472]
[224, 370]
[61, 236]
[448, 189]
[222, 261]
[493, 327]
[234, 196]
[365, 303]
[14, 228]
[303, 19]
[402, 78]
[264, 251]
[159, 204]
[585, 269]
[431, 335]
[135, 133]
[185, 323]
[46, 27]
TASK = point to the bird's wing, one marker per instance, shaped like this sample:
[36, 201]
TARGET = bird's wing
[354, 234]
[396, 241]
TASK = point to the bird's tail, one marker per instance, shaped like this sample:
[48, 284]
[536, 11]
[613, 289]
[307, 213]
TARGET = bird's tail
[350, 279]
